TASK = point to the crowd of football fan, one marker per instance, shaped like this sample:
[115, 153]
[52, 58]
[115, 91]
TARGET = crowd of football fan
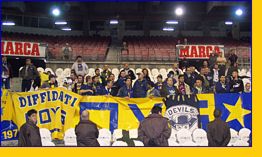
[216, 75]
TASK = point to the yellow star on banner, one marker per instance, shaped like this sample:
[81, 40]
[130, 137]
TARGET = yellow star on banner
[237, 112]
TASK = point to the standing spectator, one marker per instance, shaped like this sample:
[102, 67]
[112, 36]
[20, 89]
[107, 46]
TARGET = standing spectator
[212, 59]
[181, 86]
[202, 76]
[168, 88]
[218, 131]
[233, 58]
[185, 41]
[159, 83]
[198, 87]
[171, 74]
[146, 74]
[77, 86]
[140, 86]
[126, 91]
[105, 74]
[52, 83]
[86, 131]
[67, 51]
[106, 90]
[183, 63]
[205, 64]
[247, 87]
[222, 86]
[189, 77]
[80, 67]
[87, 88]
[221, 61]
[154, 130]
[6, 73]
[28, 74]
[215, 74]
[96, 84]
[121, 79]
[97, 73]
[128, 71]
[177, 70]
[232, 68]
[210, 77]
[236, 84]
[29, 134]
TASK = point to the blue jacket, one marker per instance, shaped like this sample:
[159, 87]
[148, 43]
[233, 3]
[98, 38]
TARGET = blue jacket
[220, 89]
[121, 82]
[140, 89]
[86, 87]
[104, 91]
[124, 92]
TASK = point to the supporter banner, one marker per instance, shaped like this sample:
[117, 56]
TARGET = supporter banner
[198, 51]
[183, 112]
[59, 110]
[23, 49]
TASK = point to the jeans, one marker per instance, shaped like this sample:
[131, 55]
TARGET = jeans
[6, 83]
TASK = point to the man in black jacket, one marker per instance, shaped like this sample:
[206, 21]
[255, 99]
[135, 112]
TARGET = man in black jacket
[86, 131]
[29, 135]
[236, 84]
[218, 131]
[28, 74]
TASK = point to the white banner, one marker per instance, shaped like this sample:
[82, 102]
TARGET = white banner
[198, 51]
[22, 49]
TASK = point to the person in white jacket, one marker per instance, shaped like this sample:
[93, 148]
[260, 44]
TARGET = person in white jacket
[80, 67]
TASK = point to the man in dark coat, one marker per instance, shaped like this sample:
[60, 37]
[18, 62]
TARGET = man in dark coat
[86, 131]
[29, 135]
[154, 130]
[140, 86]
[218, 131]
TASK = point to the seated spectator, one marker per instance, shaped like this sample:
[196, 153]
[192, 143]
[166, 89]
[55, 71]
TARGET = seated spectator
[152, 91]
[209, 76]
[236, 84]
[222, 86]
[140, 86]
[181, 86]
[146, 74]
[198, 87]
[168, 88]
[115, 87]
[106, 90]
[247, 87]
[205, 64]
[80, 67]
[77, 86]
[126, 91]
[159, 83]
[52, 83]
[87, 88]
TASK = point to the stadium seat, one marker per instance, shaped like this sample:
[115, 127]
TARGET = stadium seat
[244, 136]
[49, 69]
[66, 72]
[91, 72]
[234, 137]
[40, 70]
[117, 134]
[184, 138]
[200, 137]
[45, 135]
[119, 144]
[133, 133]
[70, 137]
[138, 70]
[172, 141]
[59, 72]
[138, 143]
[105, 137]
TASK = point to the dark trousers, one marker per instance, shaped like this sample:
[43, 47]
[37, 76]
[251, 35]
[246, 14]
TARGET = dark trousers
[26, 85]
